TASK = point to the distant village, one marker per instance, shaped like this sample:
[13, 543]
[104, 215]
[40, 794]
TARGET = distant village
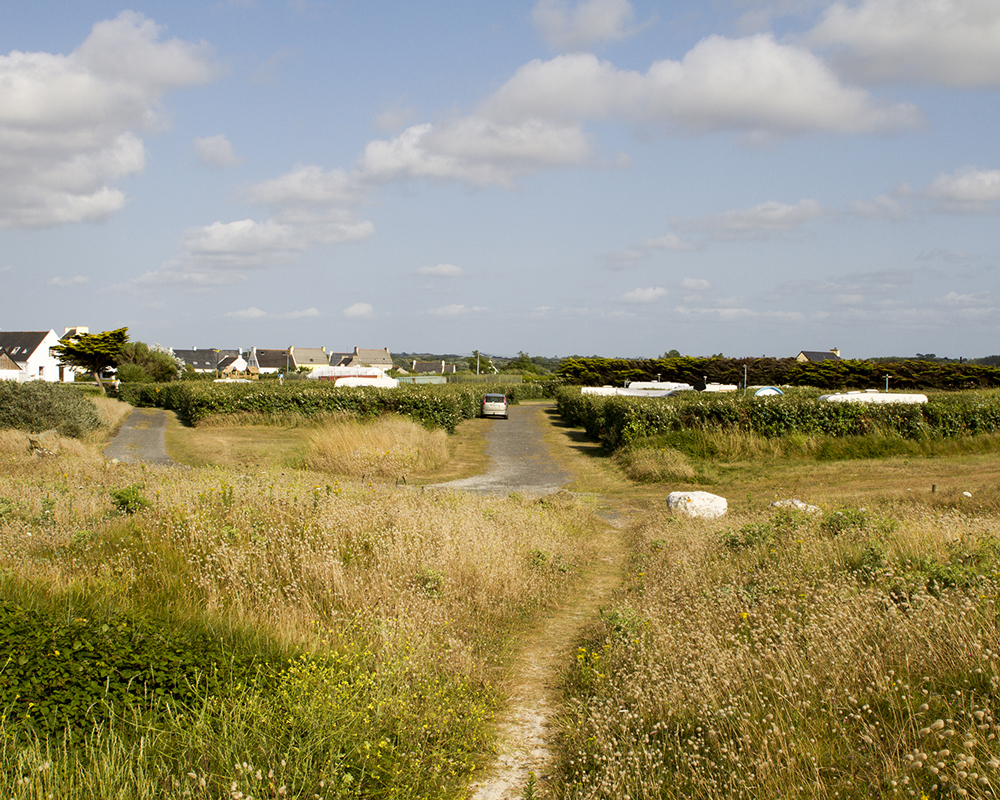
[28, 355]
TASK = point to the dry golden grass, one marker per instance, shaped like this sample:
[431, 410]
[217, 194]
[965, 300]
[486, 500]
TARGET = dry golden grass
[112, 413]
[389, 447]
[853, 656]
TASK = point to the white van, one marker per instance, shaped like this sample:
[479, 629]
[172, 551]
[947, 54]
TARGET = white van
[494, 405]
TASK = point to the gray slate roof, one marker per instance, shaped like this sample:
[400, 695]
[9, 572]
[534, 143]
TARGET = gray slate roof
[21, 344]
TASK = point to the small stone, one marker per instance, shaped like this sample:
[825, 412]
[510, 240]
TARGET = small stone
[798, 505]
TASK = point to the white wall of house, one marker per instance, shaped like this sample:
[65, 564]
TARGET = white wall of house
[41, 364]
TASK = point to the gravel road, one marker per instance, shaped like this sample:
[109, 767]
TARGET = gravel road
[140, 438]
[519, 458]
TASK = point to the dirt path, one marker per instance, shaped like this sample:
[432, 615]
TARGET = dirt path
[141, 438]
[522, 461]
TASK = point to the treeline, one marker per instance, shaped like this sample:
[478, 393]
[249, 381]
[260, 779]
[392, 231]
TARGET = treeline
[619, 421]
[437, 406]
[833, 375]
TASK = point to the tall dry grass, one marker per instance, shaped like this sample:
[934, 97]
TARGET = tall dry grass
[388, 447]
[398, 606]
[783, 656]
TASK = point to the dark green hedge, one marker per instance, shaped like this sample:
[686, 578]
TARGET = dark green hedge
[40, 406]
[831, 375]
[616, 421]
[438, 406]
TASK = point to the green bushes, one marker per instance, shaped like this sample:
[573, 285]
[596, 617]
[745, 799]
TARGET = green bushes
[618, 421]
[67, 671]
[435, 406]
[39, 406]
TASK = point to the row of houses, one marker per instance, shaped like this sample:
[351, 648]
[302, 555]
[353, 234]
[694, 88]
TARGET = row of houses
[258, 361]
[28, 356]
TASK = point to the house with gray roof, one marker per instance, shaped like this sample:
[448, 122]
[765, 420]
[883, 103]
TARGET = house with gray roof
[31, 351]
[815, 356]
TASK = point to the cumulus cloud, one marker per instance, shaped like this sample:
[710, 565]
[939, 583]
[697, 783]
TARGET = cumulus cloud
[644, 296]
[309, 207]
[587, 23]
[753, 84]
[69, 124]
[360, 311]
[696, 284]
[441, 271]
[64, 282]
[216, 151]
[476, 150]
[968, 189]
[757, 222]
[952, 43]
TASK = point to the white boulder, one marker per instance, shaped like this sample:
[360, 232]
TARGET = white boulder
[697, 504]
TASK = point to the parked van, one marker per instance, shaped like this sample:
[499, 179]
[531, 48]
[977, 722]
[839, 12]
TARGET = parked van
[494, 405]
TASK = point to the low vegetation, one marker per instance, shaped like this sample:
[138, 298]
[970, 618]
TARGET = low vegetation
[776, 654]
[620, 421]
[435, 406]
[392, 447]
[232, 632]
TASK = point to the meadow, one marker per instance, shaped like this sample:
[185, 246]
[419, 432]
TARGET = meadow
[284, 617]
[260, 630]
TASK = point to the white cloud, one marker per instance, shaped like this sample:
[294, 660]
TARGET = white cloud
[474, 150]
[64, 282]
[68, 124]
[455, 310]
[969, 189]
[216, 151]
[644, 296]
[956, 300]
[696, 284]
[756, 222]
[587, 23]
[753, 84]
[952, 43]
[247, 313]
[360, 311]
[441, 271]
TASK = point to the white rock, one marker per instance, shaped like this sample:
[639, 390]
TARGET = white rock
[697, 504]
[798, 505]
[966, 494]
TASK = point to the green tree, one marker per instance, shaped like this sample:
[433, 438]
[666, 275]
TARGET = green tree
[93, 352]
[157, 364]
[522, 364]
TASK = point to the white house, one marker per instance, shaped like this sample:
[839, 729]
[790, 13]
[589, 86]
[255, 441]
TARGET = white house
[31, 351]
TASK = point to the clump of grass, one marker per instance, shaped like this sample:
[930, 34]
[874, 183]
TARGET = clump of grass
[780, 660]
[388, 447]
[654, 464]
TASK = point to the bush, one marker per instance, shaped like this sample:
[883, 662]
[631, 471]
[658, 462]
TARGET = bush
[39, 406]
[68, 671]
[618, 421]
[434, 406]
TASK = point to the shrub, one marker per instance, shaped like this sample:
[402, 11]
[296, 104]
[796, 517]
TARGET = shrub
[129, 499]
[39, 406]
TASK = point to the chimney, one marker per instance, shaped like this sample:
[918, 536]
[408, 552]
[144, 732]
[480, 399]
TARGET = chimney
[835, 351]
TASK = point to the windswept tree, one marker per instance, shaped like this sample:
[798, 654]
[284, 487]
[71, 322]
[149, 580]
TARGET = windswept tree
[93, 352]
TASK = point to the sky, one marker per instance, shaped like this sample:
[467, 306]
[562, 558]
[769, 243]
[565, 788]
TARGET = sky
[746, 177]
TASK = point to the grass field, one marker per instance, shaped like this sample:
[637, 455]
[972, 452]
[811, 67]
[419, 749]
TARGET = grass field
[268, 623]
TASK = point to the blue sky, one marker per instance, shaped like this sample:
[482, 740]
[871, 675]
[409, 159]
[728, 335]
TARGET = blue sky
[596, 177]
